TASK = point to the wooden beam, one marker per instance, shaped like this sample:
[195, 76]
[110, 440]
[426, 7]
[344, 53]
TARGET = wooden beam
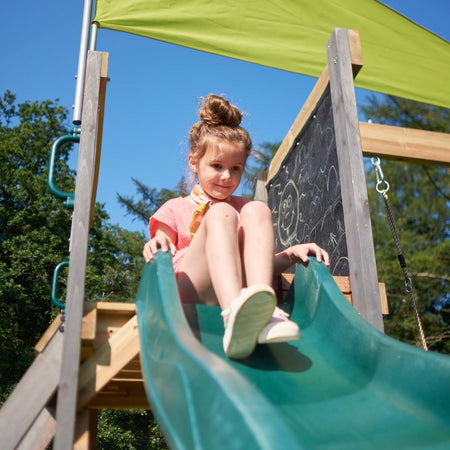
[260, 191]
[101, 114]
[405, 144]
[67, 393]
[41, 433]
[358, 228]
[86, 430]
[107, 361]
[119, 394]
[356, 57]
[30, 396]
[48, 335]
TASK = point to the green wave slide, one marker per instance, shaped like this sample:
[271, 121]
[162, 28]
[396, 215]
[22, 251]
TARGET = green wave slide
[343, 385]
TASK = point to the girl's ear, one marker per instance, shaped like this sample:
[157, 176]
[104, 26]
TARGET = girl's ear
[192, 163]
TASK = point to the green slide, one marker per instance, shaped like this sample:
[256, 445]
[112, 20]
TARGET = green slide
[343, 385]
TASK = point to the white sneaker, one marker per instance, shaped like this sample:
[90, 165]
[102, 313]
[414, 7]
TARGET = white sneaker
[247, 316]
[279, 329]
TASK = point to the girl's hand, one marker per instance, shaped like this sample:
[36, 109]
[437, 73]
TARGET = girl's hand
[160, 241]
[300, 253]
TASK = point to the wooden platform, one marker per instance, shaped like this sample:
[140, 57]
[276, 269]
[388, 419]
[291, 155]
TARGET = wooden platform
[110, 372]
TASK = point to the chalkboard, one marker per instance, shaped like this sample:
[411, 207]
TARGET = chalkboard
[305, 194]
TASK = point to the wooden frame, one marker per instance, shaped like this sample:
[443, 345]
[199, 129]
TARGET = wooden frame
[344, 61]
[405, 144]
[361, 252]
[66, 409]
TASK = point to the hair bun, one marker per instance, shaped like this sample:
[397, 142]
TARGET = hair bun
[216, 110]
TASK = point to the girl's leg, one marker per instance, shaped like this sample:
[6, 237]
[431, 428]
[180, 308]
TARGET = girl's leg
[211, 270]
[257, 240]
[213, 260]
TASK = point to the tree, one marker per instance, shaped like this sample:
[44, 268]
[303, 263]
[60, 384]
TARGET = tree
[419, 197]
[34, 234]
[149, 199]
[34, 228]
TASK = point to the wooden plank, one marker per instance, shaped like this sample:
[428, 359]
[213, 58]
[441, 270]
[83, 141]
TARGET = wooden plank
[101, 114]
[41, 433]
[34, 390]
[117, 307]
[363, 271]
[86, 430]
[405, 144]
[108, 360]
[48, 334]
[299, 122]
[67, 393]
[89, 326]
[356, 56]
[260, 187]
[383, 297]
[343, 284]
[110, 317]
[121, 395]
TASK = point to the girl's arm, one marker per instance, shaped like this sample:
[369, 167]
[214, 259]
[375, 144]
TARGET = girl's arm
[299, 253]
[164, 239]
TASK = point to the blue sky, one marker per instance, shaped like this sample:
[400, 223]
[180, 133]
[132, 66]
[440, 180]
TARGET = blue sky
[152, 96]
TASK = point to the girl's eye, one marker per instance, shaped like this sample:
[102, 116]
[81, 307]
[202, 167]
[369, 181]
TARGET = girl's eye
[216, 166]
[236, 169]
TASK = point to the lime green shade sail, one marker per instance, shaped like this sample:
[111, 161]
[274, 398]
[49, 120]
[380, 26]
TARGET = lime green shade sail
[400, 57]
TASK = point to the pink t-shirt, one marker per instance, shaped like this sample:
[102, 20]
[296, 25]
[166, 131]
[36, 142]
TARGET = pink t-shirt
[177, 214]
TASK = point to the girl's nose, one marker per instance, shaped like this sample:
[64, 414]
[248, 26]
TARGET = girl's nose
[226, 174]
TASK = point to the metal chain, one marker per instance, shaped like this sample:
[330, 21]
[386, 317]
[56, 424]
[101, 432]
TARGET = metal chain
[382, 187]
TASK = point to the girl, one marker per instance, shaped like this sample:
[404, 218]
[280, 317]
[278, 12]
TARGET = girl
[223, 245]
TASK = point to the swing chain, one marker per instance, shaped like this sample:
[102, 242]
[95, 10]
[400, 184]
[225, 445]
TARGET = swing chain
[401, 258]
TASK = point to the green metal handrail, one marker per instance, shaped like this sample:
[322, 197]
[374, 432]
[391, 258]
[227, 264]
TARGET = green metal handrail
[54, 294]
[68, 197]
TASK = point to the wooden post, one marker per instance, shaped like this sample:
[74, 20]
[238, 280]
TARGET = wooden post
[260, 186]
[35, 389]
[68, 388]
[86, 429]
[361, 253]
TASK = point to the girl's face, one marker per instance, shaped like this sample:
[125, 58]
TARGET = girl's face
[220, 169]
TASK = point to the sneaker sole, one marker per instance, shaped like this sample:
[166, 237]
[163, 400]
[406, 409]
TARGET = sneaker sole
[250, 318]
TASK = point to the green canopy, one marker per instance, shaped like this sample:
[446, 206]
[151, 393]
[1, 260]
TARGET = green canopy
[400, 57]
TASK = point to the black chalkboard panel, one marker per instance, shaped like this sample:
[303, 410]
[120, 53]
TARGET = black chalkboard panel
[305, 195]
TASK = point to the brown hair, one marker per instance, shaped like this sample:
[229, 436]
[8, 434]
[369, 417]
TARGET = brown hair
[219, 120]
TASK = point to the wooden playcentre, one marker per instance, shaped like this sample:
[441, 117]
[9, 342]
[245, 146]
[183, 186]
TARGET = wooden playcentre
[91, 360]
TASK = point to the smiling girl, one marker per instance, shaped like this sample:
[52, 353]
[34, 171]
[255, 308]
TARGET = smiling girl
[223, 246]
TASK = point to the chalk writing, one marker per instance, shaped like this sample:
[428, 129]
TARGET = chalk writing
[305, 195]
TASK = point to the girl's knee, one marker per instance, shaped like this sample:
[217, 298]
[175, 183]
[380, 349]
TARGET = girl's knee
[222, 212]
[256, 211]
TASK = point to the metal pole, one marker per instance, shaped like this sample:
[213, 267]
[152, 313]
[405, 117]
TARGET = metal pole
[94, 29]
[84, 42]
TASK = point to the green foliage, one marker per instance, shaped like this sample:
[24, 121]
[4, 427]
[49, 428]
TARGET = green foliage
[130, 430]
[419, 198]
[34, 228]
[149, 199]
[34, 238]
[115, 261]
[259, 160]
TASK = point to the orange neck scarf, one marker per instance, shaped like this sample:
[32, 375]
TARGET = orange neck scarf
[203, 205]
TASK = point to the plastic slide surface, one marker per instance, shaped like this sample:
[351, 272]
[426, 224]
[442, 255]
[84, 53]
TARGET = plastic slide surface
[343, 385]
